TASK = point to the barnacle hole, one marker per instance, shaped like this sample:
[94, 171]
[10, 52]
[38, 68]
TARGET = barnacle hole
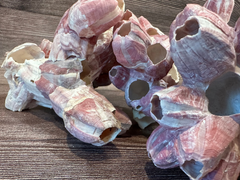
[192, 168]
[152, 32]
[156, 107]
[224, 95]
[108, 134]
[26, 52]
[113, 72]
[127, 15]
[125, 29]
[190, 27]
[156, 53]
[138, 89]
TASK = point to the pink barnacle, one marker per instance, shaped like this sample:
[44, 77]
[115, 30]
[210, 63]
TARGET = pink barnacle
[87, 22]
[35, 80]
[237, 41]
[88, 115]
[202, 115]
[161, 147]
[201, 47]
[79, 28]
[138, 45]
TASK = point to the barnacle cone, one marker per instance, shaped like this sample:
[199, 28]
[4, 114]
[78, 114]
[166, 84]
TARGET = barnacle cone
[80, 54]
[21, 73]
[85, 31]
[237, 41]
[199, 120]
[143, 54]
[34, 80]
[193, 137]
[87, 115]
[140, 46]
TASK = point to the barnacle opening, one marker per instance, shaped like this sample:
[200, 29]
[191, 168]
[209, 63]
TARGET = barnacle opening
[127, 15]
[26, 53]
[85, 74]
[138, 89]
[108, 133]
[156, 53]
[125, 29]
[192, 168]
[174, 74]
[139, 107]
[113, 72]
[190, 27]
[224, 95]
[156, 107]
[152, 31]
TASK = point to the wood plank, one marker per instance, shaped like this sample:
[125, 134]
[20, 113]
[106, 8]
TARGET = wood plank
[34, 143]
[45, 7]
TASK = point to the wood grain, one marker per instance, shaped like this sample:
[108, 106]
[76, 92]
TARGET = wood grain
[34, 143]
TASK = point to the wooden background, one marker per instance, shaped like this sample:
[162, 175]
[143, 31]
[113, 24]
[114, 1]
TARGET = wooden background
[34, 143]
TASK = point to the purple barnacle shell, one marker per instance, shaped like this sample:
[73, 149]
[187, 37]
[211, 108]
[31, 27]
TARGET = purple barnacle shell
[202, 45]
[140, 46]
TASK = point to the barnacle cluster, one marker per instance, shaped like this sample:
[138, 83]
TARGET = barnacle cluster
[187, 82]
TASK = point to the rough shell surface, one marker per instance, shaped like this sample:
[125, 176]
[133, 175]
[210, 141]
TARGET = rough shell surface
[199, 119]
[138, 88]
[79, 28]
[143, 54]
[221, 7]
[46, 46]
[138, 45]
[87, 115]
[237, 41]
[88, 36]
[21, 72]
[196, 33]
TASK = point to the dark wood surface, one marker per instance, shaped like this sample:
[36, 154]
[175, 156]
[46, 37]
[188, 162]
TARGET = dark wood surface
[34, 143]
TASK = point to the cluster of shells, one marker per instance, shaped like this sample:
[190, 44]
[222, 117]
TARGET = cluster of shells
[187, 82]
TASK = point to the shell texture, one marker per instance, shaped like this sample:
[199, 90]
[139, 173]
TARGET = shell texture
[237, 41]
[87, 115]
[35, 80]
[97, 43]
[199, 140]
[21, 73]
[197, 157]
[196, 32]
[138, 89]
[88, 36]
[140, 46]
[199, 119]
[143, 54]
